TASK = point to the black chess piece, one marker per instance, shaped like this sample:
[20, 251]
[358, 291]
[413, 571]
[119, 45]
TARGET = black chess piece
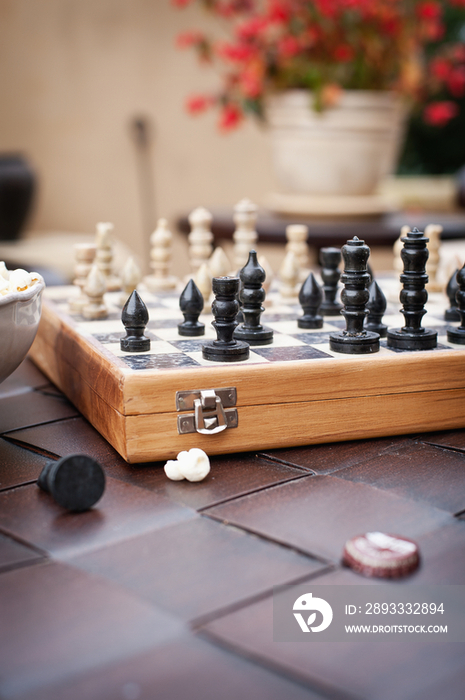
[457, 335]
[135, 318]
[355, 339]
[310, 298]
[252, 295]
[376, 306]
[413, 297]
[224, 308]
[191, 305]
[452, 313]
[329, 261]
[75, 482]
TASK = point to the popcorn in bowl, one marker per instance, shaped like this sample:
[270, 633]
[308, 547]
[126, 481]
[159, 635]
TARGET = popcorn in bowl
[20, 309]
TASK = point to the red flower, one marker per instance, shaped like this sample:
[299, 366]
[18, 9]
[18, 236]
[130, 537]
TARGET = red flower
[429, 10]
[288, 46]
[196, 104]
[456, 81]
[187, 39]
[180, 3]
[440, 113]
[343, 53]
[235, 52]
[440, 68]
[230, 117]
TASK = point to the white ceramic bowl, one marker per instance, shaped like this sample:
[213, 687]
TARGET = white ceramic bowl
[19, 320]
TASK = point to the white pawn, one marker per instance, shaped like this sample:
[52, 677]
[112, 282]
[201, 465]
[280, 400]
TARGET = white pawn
[84, 254]
[203, 280]
[104, 255]
[297, 235]
[289, 277]
[130, 278]
[245, 236]
[161, 242]
[94, 289]
[219, 264]
[433, 232]
[200, 238]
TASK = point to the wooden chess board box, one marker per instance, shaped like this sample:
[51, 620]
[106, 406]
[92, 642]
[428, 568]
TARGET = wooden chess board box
[293, 392]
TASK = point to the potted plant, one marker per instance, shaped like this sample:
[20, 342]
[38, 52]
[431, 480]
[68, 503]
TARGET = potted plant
[333, 79]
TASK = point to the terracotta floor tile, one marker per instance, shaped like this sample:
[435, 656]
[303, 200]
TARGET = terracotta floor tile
[123, 512]
[195, 568]
[320, 513]
[14, 554]
[448, 438]
[18, 465]
[25, 378]
[325, 459]
[57, 621]
[373, 670]
[32, 408]
[188, 668]
[423, 473]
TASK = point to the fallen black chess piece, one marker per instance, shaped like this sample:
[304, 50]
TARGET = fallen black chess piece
[75, 482]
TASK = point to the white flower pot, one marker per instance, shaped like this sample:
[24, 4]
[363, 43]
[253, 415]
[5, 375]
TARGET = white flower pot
[342, 152]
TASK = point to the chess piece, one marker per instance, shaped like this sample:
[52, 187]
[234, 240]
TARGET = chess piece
[377, 554]
[457, 335]
[75, 482]
[310, 298]
[225, 307]
[94, 289]
[161, 242]
[296, 235]
[433, 232]
[413, 297]
[452, 313]
[329, 261]
[355, 339]
[104, 255]
[191, 305]
[376, 306]
[245, 236]
[130, 278]
[218, 264]
[252, 295]
[84, 254]
[289, 277]
[264, 262]
[397, 250]
[203, 280]
[200, 238]
[135, 318]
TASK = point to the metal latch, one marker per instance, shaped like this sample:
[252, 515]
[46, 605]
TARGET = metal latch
[212, 410]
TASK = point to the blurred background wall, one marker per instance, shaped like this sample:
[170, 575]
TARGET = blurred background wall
[74, 74]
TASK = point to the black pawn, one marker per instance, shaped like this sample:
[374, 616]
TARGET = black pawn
[452, 314]
[355, 339]
[252, 295]
[376, 306]
[413, 297]
[457, 335]
[225, 307]
[329, 261]
[135, 318]
[191, 305]
[75, 482]
[310, 298]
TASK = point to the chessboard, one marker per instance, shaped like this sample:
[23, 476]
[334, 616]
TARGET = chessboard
[295, 391]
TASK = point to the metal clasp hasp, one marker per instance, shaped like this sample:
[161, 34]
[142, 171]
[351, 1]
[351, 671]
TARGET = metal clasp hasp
[212, 413]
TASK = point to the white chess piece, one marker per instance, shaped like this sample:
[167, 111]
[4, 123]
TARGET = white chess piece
[433, 232]
[200, 238]
[84, 254]
[161, 242]
[104, 255]
[94, 289]
[203, 280]
[218, 264]
[289, 277]
[297, 235]
[245, 236]
[130, 277]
